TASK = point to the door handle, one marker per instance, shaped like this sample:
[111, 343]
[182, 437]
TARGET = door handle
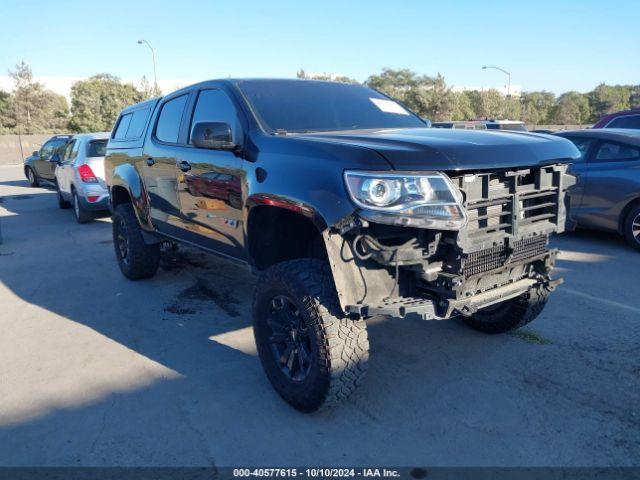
[184, 166]
[150, 161]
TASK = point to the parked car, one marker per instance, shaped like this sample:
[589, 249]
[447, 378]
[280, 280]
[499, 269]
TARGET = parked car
[80, 176]
[514, 125]
[41, 165]
[607, 195]
[350, 207]
[483, 125]
[622, 119]
[471, 125]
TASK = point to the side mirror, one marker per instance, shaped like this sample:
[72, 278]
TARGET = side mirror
[427, 122]
[212, 135]
[36, 153]
[55, 158]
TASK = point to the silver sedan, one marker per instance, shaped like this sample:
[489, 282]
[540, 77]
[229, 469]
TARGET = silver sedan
[80, 176]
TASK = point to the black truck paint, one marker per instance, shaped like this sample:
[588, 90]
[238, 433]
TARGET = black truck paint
[276, 200]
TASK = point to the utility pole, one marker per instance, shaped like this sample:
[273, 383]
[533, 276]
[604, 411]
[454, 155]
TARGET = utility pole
[503, 71]
[153, 57]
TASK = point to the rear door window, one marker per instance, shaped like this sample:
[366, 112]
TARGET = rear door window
[137, 124]
[168, 126]
[616, 152]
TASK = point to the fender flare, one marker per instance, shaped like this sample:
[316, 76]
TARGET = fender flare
[126, 176]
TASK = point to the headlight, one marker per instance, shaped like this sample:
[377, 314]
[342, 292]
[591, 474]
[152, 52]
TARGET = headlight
[423, 200]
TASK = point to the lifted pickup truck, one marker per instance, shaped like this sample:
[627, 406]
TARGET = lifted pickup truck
[347, 206]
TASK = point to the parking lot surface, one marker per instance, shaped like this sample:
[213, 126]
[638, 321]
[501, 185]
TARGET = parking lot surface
[97, 370]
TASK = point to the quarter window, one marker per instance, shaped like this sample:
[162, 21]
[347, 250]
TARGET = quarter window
[137, 124]
[168, 126]
[614, 152]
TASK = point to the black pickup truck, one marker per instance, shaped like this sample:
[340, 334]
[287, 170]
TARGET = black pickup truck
[347, 206]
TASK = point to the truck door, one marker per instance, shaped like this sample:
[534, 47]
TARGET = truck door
[210, 182]
[160, 157]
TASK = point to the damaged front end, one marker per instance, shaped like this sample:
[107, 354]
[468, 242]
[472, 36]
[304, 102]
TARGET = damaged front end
[500, 251]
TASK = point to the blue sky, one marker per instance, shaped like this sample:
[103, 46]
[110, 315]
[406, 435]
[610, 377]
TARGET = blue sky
[557, 45]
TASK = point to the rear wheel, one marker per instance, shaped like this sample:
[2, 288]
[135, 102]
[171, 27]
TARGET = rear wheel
[82, 215]
[509, 315]
[32, 177]
[632, 227]
[136, 259]
[312, 354]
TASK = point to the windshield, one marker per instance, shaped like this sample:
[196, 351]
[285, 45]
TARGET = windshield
[97, 148]
[297, 106]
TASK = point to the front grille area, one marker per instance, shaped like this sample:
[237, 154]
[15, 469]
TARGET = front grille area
[500, 255]
[510, 203]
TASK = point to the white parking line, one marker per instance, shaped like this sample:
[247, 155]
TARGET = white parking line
[604, 301]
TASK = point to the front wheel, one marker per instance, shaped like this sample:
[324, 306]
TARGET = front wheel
[632, 227]
[136, 259]
[312, 354]
[32, 178]
[509, 315]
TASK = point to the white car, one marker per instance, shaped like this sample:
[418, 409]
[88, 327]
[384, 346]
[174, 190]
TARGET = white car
[80, 176]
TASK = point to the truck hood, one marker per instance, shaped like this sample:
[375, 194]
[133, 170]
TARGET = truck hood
[450, 149]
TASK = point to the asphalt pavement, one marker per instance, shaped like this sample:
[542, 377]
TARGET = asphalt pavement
[97, 370]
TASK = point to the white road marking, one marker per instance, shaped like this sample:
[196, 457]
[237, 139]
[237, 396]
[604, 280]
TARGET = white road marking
[603, 301]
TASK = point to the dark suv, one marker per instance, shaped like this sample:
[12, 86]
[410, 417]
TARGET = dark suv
[347, 206]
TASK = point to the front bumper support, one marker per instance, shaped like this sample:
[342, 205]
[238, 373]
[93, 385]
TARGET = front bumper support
[428, 309]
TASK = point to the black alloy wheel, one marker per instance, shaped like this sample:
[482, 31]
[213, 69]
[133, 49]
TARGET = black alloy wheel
[289, 340]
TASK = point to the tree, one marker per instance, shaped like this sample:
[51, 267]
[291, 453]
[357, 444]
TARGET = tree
[537, 107]
[404, 85]
[634, 96]
[97, 101]
[324, 76]
[608, 99]
[462, 109]
[31, 108]
[5, 98]
[572, 108]
[147, 90]
[436, 102]
[486, 103]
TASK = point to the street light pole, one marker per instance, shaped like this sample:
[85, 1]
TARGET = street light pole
[503, 71]
[153, 56]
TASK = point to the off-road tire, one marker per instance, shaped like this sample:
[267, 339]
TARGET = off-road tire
[82, 215]
[509, 315]
[32, 176]
[633, 217]
[339, 345]
[62, 203]
[141, 260]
